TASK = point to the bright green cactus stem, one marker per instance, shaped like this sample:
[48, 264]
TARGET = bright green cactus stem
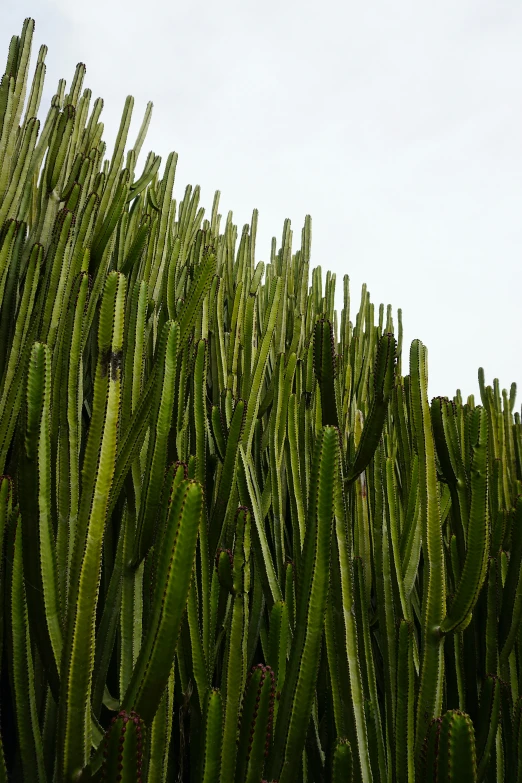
[74, 728]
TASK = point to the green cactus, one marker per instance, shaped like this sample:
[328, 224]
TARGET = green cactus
[342, 770]
[206, 471]
[457, 761]
[124, 749]
[257, 711]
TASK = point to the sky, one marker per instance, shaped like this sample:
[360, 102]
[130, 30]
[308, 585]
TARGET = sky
[396, 126]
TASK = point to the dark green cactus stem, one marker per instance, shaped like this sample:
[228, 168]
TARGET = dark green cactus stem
[444, 422]
[511, 611]
[235, 657]
[227, 476]
[257, 713]
[434, 593]
[383, 383]
[429, 758]
[22, 662]
[405, 706]
[224, 564]
[212, 736]
[296, 699]
[342, 765]
[488, 721]
[161, 417]
[325, 366]
[175, 565]
[477, 536]
[278, 640]
[40, 563]
[456, 753]
[124, 749]
[517, 740]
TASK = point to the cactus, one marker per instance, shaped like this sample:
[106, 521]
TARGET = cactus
[206, 472]
[257, 712]
[124, 748]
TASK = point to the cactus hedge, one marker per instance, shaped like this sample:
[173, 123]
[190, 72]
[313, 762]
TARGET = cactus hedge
[239, 543]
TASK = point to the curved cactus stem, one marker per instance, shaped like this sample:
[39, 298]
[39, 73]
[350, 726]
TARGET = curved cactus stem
[161, 416]
[174, 575]
[477, 539]
[382, 390]
[258, 372]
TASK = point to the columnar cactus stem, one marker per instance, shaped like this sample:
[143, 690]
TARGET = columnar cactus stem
[124, 749]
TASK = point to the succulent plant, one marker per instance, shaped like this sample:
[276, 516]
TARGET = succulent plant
[230, 524]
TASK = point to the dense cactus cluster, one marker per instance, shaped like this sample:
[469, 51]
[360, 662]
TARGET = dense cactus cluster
[238, 542]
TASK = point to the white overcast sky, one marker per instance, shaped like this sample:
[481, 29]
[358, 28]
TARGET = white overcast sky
[397, 126]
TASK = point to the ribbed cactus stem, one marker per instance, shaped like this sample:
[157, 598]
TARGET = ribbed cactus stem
[257, 714]
[123, 752]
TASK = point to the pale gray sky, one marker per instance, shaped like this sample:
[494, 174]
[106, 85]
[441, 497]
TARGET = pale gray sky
[397, 126]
